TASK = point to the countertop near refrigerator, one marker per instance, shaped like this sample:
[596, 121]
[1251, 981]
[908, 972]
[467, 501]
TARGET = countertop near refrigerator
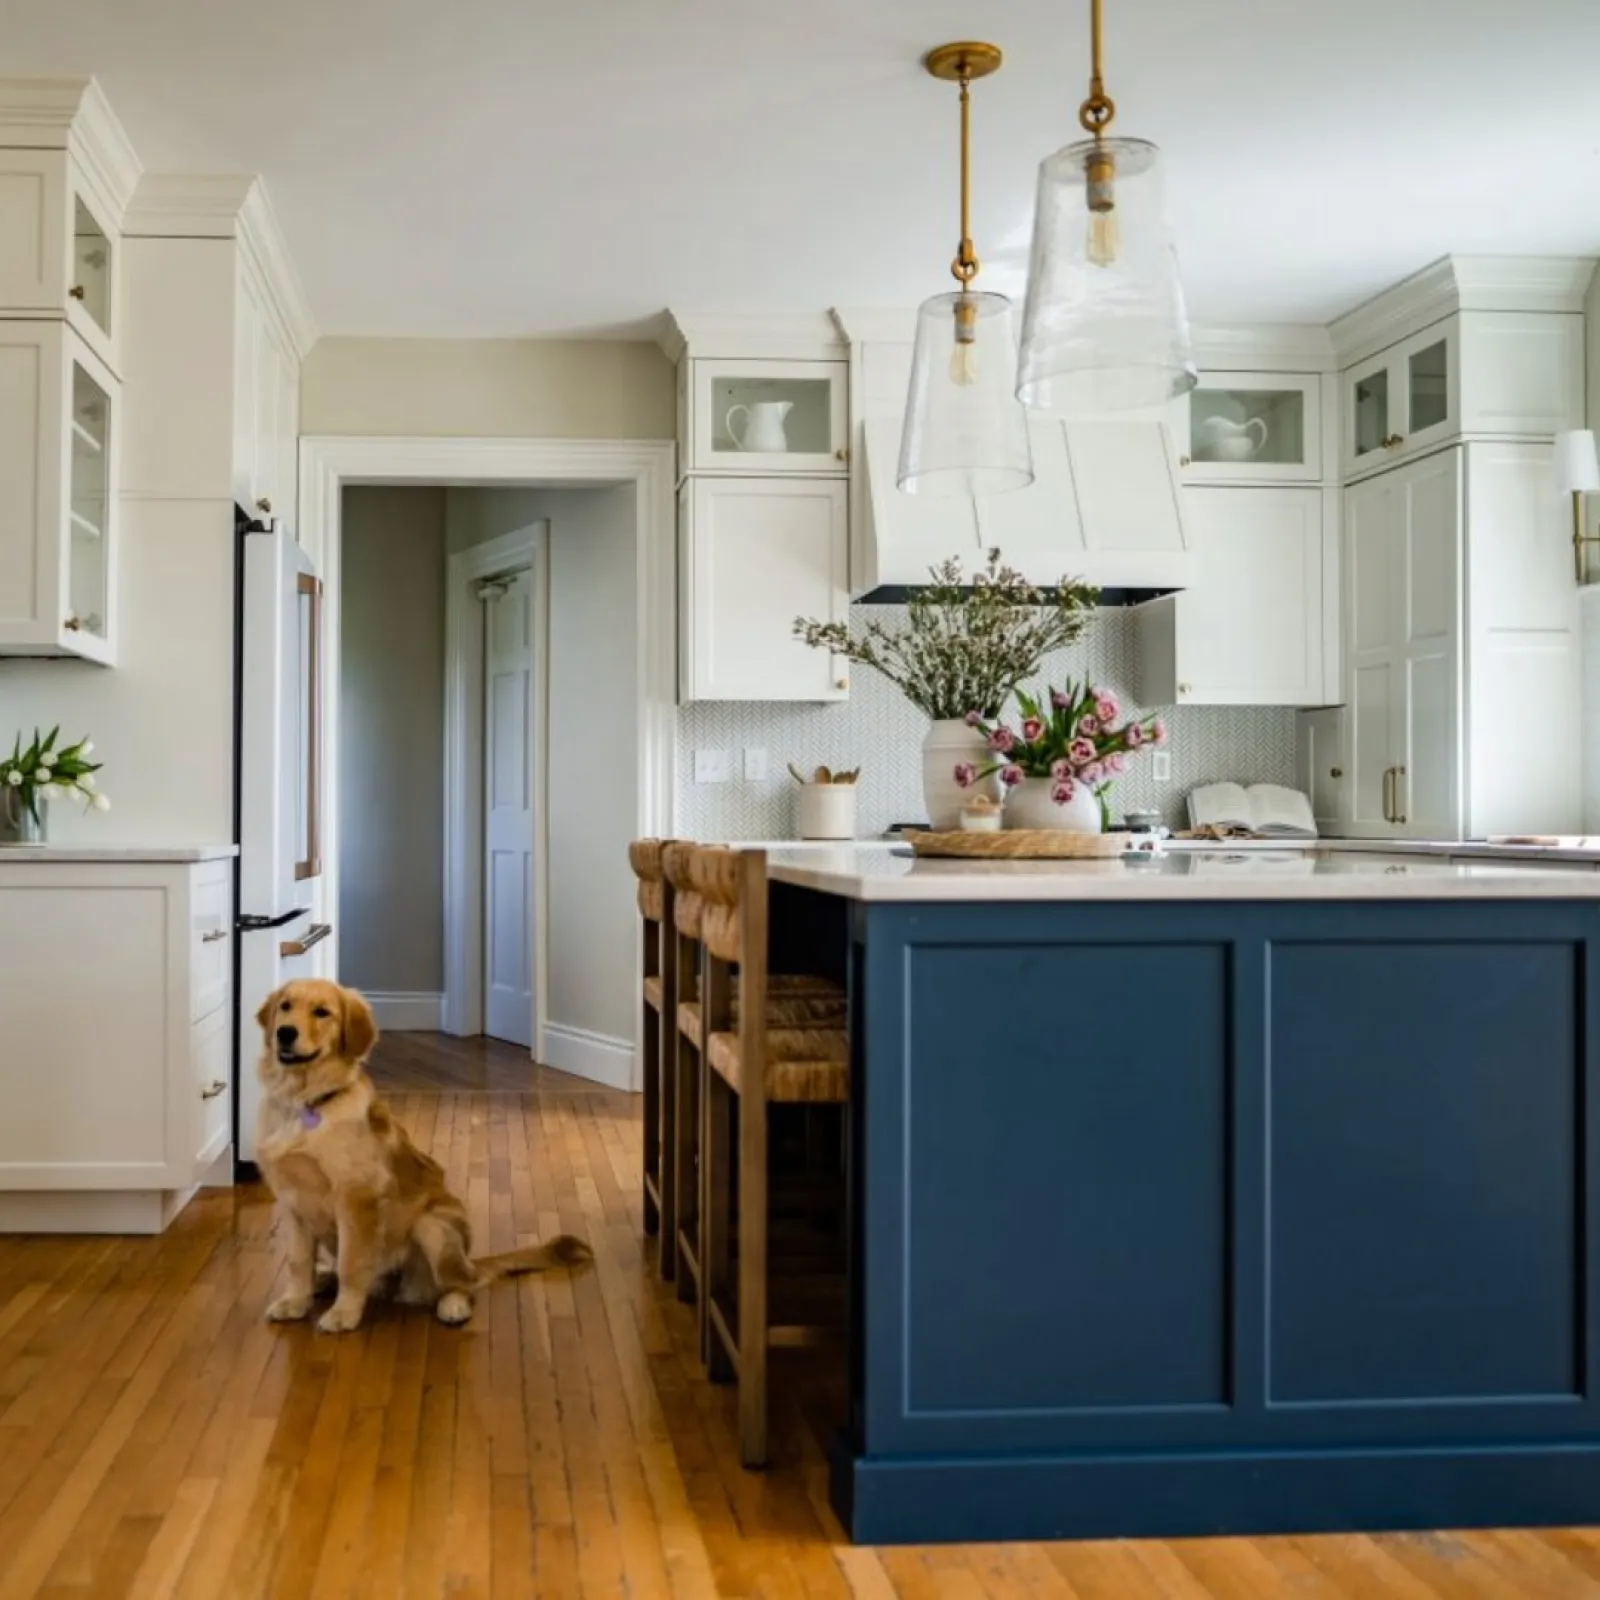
[66, 855]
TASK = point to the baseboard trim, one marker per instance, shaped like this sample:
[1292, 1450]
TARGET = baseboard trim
[596, 1056]
[407, 1013]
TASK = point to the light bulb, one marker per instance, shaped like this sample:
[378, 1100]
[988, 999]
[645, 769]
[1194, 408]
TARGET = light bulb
[1100, 173]
[964, 354]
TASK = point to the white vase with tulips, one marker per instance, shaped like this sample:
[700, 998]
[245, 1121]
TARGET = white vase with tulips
[31, 778]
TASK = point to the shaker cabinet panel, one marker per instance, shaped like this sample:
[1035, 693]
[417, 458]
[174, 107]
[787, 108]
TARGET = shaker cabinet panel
[754, 556]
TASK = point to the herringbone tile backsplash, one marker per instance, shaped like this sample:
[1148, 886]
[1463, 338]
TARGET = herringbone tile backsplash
[881, 732]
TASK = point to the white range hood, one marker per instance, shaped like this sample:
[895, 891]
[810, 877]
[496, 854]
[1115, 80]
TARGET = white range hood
[1105, 507]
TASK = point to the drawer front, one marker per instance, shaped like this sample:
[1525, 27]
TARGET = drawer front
[211, 945]
[212, 1055]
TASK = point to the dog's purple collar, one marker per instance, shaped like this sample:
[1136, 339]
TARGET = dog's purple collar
[309, 1118]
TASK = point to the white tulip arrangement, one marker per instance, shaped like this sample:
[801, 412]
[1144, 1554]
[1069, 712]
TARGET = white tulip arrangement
[42, 772]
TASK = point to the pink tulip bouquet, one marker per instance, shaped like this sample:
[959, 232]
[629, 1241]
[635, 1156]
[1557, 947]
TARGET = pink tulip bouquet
[1072, 737]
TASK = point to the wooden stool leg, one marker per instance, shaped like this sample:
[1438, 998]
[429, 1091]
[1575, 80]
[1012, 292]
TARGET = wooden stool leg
[667, 1142]
[753, 1217]
[688, 1158]
[650, 1033]
[716, 1243]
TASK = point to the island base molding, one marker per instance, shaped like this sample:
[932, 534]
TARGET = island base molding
[961, 1501]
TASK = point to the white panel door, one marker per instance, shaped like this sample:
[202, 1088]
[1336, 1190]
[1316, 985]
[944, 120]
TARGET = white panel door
[508, 821]
[1372, 630]
[762, 552]
[1250, 630]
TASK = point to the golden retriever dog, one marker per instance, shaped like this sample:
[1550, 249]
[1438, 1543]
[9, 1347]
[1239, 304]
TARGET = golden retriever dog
[350, 1182]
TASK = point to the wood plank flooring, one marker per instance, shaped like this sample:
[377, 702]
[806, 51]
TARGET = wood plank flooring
[158, 1439]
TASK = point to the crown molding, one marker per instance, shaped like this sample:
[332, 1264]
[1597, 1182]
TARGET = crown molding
[793, 336]
[1460, 283]
[1264, 347]
[262, 238]
[72, 114]
[233, 206]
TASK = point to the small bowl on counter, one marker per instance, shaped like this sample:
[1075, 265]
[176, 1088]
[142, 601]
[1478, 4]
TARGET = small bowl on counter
[981, 815]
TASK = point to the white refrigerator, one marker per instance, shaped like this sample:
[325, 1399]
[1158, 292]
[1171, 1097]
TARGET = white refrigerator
[278, 788]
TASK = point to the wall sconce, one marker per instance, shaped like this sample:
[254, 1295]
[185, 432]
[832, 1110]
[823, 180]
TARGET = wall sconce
[1578, 474]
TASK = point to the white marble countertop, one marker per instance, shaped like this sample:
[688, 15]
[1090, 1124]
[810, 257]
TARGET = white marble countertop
[881, 872]
[68, 854]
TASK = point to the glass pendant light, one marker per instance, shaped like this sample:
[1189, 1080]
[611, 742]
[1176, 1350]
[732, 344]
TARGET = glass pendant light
[1104, 328]
[965, 432]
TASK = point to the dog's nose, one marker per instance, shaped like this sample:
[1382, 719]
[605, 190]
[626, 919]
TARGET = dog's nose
[287, 1034]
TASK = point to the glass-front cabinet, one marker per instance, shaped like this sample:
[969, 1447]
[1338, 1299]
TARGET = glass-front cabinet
[1250, 427]
[90, 292]
[768, 417]
[1403, 399]
[59, 442]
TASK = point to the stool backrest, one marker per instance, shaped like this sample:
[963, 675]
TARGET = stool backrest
[644, 856]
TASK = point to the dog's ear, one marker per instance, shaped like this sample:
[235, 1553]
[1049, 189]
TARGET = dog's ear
[360, 1026]
[267, 1007]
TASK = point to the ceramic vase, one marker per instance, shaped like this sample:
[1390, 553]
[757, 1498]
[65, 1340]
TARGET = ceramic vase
[948, 745]
[1029, 805]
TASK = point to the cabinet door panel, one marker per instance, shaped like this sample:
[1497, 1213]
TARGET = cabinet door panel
[31, 406]
[761, 554]
[1374, 696]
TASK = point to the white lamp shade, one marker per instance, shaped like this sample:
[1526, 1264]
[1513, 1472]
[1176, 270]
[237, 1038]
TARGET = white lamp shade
[965, 432]
[1105, 328]
[1577, 462]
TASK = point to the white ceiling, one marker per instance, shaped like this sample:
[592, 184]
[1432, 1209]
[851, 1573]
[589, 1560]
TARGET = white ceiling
[520, 167]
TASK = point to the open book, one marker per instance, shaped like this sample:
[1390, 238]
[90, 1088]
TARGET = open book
[1265, 809]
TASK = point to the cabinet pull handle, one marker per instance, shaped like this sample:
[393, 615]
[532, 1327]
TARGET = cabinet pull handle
[1400, 816]
[72, 624]
[215, 935]
[263, 504]
[77, 291]
[1388, 784]
[314, 935]
[213, 1089]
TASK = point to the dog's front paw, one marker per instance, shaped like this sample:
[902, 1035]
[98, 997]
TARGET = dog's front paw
[340, 1319]
[453, 1308]
[289, 1308]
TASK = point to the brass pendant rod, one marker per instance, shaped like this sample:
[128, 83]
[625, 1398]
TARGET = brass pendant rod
[965, 265]
[1097, 111]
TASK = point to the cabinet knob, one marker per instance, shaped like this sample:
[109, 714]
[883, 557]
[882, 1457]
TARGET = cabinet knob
[1335, 772]
[263, 504]
[214, 935]
[1394, 440]
[77, 291]
[841, 454]
[213, 1089]
[73, 624]
[1185, 461]
[841, 683]
[1184, 688]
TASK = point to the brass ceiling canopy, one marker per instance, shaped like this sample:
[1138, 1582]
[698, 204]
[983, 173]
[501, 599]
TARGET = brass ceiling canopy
[965, 61]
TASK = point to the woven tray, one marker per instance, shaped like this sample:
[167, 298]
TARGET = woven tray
[1021, 844]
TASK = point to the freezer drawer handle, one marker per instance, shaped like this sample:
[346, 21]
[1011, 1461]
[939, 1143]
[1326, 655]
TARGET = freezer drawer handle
[315, 934]
[212, 1090]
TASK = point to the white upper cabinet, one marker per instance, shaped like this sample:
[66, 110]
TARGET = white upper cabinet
[59, 446]
[754, 555]
[1250, 427]
[767, 417]
[1254, 627]
[61, 252]
[266, 408]
[1486, 374]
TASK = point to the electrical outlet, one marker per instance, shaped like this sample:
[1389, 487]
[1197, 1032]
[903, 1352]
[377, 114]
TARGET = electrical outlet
[755, 764]
[1161, 766]
[712, 766]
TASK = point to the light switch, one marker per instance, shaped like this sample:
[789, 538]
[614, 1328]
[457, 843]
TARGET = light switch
[1161, 766]
[755, 764]
[711, 766]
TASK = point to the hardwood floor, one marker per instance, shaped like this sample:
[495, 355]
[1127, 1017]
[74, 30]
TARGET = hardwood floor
[158, 1439]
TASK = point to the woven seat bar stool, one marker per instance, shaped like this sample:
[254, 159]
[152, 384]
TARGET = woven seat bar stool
[656, 1004]
[681, 1085]
[751, 1064]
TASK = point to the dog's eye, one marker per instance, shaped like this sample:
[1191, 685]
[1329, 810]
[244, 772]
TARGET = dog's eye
[322, 1011]
[284, 1006]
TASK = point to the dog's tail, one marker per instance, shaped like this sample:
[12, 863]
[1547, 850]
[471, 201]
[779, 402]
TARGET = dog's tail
[562, 1251]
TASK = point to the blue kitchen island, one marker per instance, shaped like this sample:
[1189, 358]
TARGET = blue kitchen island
[1221, 1194]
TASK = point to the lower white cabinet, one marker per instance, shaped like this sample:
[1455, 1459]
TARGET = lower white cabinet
[754, 554]
[1259, 623]
[116, 990]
